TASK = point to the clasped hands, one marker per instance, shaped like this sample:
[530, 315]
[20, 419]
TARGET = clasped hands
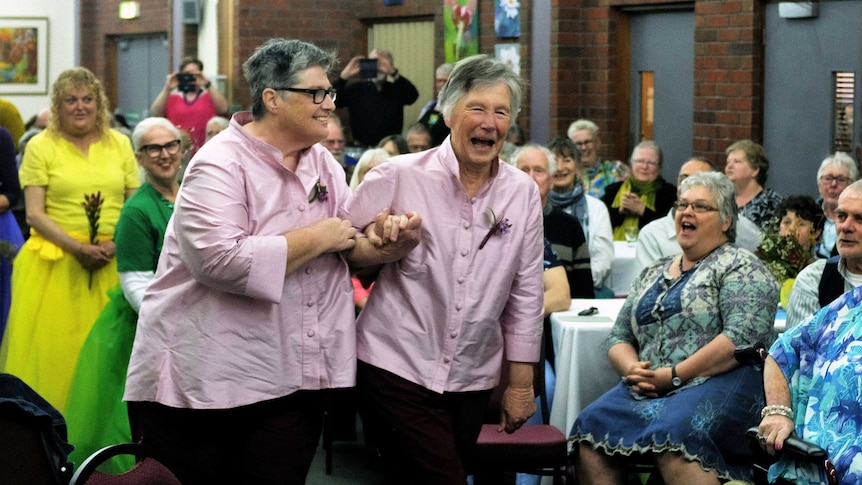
[647, 382]
[402, 232]
[95, 256]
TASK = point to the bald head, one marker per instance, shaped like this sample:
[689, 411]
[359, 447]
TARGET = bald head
[691, 167]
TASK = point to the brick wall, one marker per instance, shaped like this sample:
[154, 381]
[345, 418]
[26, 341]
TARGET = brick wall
[589, 49]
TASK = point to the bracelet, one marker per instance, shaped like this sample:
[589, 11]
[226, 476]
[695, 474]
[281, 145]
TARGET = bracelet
[777, 409]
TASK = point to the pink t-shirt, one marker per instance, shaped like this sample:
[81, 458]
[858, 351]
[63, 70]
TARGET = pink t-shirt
[191, 116]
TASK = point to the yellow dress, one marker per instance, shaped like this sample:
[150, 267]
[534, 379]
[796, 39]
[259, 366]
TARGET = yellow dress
[54, 300]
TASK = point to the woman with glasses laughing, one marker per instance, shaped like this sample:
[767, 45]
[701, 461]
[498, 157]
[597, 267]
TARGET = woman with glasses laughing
[682, 401]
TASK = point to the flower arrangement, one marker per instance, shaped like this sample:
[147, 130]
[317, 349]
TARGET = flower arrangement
[783, 256]
[497, 227]
[318, 192]
[93, 207]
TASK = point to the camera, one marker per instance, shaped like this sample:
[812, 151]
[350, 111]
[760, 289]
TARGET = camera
[368, 68]
[187, 83]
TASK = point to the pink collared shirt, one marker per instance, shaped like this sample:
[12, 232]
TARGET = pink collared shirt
[222, 326]
[441, 316]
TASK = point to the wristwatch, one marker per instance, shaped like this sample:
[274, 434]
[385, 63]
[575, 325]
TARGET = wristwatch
[674, 379]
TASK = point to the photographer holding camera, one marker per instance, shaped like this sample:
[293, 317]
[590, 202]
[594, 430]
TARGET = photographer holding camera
[189, 100]
[376, 102]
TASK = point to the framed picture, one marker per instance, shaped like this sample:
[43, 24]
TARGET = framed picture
[510, 54]
[23, 55]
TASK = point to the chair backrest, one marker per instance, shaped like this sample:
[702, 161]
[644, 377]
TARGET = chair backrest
[147, 471]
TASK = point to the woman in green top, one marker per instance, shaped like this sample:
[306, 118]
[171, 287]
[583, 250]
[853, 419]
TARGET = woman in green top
[96, 414]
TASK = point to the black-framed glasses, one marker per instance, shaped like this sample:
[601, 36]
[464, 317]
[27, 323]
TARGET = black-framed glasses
[154, 151]
[698, 207]
[317, 95]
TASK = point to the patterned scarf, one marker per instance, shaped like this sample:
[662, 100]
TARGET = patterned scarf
[573, 203]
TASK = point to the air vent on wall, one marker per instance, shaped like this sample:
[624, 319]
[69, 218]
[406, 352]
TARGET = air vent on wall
[191, 12]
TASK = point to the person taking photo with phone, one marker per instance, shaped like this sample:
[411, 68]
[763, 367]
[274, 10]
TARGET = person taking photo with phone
[375, 102]
[189, 100]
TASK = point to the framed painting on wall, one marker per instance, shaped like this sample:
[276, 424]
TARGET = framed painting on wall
[23, 55]
[460, 29]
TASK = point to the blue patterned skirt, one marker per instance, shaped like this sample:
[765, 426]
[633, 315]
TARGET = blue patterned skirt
[706, 423]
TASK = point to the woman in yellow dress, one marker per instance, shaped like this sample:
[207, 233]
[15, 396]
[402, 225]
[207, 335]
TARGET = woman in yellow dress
[64, 270]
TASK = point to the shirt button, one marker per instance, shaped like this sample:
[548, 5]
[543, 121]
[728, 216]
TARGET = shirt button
[310, 333]
[453, 334]
[461, 280]
[310, 303]
[458, 307]
[309, 270]
[466, 225]
[446, 360]
[301, 207]
[464, 252]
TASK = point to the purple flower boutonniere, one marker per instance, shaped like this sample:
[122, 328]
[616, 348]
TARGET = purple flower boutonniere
[497, 227]
[318, 192]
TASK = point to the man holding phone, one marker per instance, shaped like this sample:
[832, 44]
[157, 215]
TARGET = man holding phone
[189, 100]
[376, 100]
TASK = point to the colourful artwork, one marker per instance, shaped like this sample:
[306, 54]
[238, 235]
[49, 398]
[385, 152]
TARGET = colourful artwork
[23, 55]
[460, 29]
[507, 19]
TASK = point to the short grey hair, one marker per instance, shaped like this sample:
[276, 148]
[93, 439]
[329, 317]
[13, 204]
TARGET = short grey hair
[582, 124]
[651, 145]
[724, 192]
[480, 71]
[144, 126]
[842, 160]
[445, 68]
[552, 159]
[278, 63]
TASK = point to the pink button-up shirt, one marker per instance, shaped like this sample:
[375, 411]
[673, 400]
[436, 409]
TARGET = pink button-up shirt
[222, 326]
[440, 317]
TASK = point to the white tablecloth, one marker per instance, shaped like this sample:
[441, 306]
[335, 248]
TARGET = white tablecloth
[582, 367]
[622, 269]
[583, 370]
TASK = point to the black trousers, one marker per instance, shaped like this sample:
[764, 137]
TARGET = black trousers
[264, 443]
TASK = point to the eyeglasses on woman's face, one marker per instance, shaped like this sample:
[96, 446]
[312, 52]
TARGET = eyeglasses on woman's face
[697, 206]
[317, 95]
[155, 151]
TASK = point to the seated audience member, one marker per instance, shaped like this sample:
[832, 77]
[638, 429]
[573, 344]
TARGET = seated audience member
[644, 196]
[812, 387]
[683, 400]
[216, 125]
[658, 238]
[394, 144]
[430, 116]
[515, 136]
[788, 249]
[746, 167]
[562, 230]
[825, 280]
[836, 172]
[418, 138]
[569, 195]
[335, 143]
[370, 159]
[34, 126]
[596, 174]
